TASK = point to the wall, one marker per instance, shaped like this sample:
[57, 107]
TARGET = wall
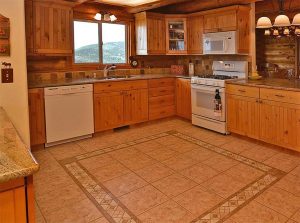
[14, 97]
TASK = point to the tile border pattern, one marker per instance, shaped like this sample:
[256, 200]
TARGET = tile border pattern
[115, 211]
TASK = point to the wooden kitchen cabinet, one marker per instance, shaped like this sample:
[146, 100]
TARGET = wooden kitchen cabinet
[280, 124]
[270, 115]
[37, 116]
[49, 27]
[119, 104]
[150, 34]
[195, 31]
[136, 106]
[161, 98]
[108, 110]
[243, 115]
[183, 98]
[232, 18]
[13, 202]
[176, 34]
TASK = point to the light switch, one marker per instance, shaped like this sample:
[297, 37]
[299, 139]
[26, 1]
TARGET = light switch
[7, 75]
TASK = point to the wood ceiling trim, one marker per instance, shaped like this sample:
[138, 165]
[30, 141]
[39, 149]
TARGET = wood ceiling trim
[200, 5]
[154, 5]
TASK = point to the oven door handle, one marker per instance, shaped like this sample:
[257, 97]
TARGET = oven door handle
[206, 88]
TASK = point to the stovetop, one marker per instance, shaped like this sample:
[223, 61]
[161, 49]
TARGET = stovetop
[217, 77]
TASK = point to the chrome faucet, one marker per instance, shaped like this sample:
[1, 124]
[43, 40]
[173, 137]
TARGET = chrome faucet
[108, 68]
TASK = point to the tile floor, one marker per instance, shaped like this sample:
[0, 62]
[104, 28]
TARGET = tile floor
[164, 172]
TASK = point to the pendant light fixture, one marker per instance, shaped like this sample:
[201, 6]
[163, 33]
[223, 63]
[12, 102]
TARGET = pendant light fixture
[282, 25]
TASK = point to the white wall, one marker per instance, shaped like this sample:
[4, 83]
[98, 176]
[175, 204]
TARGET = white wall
[14, 97]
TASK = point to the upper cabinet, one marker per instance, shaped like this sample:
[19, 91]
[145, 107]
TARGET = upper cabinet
[49, 28]
[232, 18]
[195, 34]
[150, 31]
[176, 35]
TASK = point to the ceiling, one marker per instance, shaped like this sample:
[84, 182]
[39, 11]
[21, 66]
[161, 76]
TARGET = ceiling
[127, 3]
[272, 6]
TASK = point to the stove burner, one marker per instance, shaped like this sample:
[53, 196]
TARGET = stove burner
[218, 77]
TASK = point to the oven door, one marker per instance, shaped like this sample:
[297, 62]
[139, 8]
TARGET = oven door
[203, 101]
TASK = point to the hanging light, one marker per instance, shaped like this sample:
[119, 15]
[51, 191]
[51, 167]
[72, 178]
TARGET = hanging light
[267, 32]
[263, 23]
[113, 18]
[296, 20]
[282, 21]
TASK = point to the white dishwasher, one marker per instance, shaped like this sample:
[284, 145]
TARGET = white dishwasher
[69, 113]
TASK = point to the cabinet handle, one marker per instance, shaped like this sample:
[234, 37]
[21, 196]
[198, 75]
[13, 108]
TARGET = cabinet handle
[243, 91]
[279, 95]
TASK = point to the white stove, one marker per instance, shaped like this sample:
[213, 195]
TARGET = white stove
[204, 89]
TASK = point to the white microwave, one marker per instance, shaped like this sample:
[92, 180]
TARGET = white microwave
[220, 43]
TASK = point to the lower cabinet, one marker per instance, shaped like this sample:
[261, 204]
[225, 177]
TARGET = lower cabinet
[183, 98]
[108, 110]
[37, 116]
[119, 104]
[280, 124]
[275, 121]
[161, 98]
[136, 106]
[243, 115]
[17, 201]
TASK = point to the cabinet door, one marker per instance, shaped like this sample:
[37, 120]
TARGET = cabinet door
[280, 124]
[52, 28]
[13, 205]
[195, 33]
[108, 111]
[37, 116]
[243, 116]
[29, 26]
[156, 39]
[210, 23]
[183, 98]
[136, 106]
[176, 36]
[227, 21]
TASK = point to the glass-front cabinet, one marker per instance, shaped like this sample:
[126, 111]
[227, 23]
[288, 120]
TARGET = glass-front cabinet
[176, 35]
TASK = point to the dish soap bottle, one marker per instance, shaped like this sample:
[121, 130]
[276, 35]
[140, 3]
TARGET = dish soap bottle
[218, 104]
[191, 69]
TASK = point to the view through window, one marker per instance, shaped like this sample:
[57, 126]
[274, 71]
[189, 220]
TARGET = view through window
[88, 35]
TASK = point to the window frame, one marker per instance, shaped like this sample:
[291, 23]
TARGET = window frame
[100, 64]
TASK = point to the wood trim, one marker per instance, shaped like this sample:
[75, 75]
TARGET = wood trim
[12, 184]
[30, 200]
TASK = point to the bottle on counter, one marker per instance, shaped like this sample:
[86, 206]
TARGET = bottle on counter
[191, 69]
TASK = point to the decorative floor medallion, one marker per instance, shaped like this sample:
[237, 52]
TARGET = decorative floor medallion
[115, 211]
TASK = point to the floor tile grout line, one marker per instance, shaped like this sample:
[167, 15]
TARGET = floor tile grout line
[178, 172]
[210, 145]
[40, 210]
[247, 201]
[113, 197]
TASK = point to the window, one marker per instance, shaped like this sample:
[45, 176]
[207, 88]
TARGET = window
[88, 35]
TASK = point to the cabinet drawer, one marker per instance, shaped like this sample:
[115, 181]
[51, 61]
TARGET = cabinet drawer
[120, 86]
[161, 82]
[242, 90]
[161, 112]
[155, 92]
[162, 101]
[280, 95]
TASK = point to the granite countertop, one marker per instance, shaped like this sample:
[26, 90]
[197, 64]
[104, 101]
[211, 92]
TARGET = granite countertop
[77, 81]
[16, 161]
[275, 83]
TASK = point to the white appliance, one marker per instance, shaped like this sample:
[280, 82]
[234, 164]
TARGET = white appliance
[220, 43]
[204, 90]
[69, 113]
